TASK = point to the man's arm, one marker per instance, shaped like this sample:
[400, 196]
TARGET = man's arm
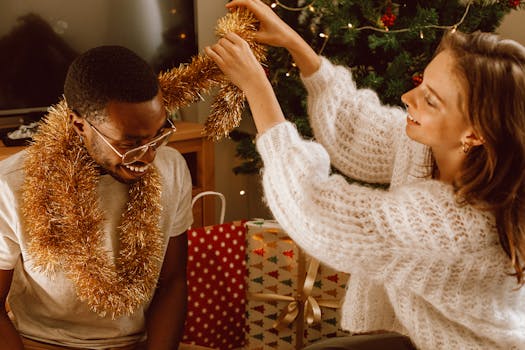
[10, 338]
[167, 313]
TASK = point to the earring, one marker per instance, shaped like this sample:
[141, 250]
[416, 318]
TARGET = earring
[466, 147]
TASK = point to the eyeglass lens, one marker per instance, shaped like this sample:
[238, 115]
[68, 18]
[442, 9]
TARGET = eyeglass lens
[137, 153]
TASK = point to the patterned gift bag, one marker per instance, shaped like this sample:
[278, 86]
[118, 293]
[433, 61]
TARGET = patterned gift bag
[293, 300]
[216, 285]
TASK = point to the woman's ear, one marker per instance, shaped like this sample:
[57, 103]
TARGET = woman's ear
[474, 140]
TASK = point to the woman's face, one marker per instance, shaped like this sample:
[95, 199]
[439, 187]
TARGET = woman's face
[437, 108]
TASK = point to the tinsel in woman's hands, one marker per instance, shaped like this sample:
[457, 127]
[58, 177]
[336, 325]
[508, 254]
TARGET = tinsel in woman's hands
[186, 84]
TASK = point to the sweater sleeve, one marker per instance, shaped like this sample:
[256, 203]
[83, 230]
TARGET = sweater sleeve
[357, 131]
[355, 228]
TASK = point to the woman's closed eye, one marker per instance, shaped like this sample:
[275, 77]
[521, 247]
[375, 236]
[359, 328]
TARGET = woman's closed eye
[430, 100]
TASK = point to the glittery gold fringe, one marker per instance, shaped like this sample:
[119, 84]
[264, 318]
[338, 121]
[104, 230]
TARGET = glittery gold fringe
[64, 223]
[187, 84]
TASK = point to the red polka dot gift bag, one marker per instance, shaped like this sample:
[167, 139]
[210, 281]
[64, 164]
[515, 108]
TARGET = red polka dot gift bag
[216, 285]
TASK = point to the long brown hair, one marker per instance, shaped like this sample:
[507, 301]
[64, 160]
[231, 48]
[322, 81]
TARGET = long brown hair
[493, 174]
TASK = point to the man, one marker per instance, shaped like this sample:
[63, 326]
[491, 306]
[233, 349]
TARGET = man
[93, 217]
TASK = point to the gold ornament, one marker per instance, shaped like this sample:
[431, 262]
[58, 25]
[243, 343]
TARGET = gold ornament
[65, 225]
[186, 84]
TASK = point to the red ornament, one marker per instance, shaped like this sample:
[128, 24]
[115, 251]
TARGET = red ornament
[514, 3]
[417, 79]
[388, 18]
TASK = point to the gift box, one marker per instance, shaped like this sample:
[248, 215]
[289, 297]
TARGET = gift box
[216, 286]
[292, 300]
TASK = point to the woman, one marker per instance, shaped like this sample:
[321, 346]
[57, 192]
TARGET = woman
[438, 257]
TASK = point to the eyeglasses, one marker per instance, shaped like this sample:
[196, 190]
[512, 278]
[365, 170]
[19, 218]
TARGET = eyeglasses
[137, 153]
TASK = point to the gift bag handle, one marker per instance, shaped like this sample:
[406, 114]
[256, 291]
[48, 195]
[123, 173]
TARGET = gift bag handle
[212, 193]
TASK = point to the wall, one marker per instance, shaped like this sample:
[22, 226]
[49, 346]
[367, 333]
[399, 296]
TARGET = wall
[513, 26]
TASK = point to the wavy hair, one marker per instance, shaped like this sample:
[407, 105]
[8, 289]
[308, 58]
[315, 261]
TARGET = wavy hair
[493, 174]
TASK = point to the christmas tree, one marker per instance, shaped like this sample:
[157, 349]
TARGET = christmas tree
[387, 45]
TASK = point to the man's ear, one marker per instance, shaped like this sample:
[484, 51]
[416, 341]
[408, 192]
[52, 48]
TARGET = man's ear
[77, 122]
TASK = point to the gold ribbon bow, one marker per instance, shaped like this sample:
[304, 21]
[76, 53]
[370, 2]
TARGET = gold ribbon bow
[303, 307]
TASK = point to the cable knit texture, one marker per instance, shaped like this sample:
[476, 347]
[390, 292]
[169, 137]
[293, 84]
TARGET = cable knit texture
[421, 264]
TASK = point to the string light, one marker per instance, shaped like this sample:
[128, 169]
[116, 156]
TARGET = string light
[309, 6]
[325, 41]
[350, 26]
[382, 30]
[402, 30]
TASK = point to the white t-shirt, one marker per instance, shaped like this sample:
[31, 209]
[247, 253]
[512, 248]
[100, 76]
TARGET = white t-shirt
[46, 308]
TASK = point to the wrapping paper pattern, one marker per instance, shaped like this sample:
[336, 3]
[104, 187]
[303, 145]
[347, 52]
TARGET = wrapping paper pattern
[216, 286]
[276, 276]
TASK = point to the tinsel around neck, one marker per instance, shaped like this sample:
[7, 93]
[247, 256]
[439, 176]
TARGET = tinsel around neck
[65, 224]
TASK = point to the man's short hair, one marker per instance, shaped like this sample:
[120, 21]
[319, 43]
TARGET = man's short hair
[108, 73]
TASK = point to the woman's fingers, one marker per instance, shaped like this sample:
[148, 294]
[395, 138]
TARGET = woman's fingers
[233, 56]
[254, 6]
[211, 53]
[225, 50]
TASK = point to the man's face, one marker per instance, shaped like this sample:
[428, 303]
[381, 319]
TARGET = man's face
[125, 126]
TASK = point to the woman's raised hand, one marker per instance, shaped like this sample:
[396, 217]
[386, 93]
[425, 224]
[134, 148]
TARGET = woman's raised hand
[273, 30]
[236, 60]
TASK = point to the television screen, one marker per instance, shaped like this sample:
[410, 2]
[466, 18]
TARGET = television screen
[39, 39]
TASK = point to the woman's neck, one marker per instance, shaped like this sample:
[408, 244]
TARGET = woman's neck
[448, 164]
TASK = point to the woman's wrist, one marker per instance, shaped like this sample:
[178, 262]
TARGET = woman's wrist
[306, 59]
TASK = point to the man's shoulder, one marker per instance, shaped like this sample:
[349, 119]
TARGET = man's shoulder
[170, 162]
[169, 155]
[12, 165]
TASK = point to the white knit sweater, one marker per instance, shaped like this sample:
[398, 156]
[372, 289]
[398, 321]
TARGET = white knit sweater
[421, 265]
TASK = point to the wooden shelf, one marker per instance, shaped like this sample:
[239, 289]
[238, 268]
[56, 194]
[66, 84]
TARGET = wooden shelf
[7, 151]
[199, 154]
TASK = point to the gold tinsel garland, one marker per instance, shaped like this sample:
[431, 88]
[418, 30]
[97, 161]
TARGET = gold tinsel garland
[59, 196]
[65, 224]
[186, 84]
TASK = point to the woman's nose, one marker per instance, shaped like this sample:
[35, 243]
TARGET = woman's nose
[407, 99]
